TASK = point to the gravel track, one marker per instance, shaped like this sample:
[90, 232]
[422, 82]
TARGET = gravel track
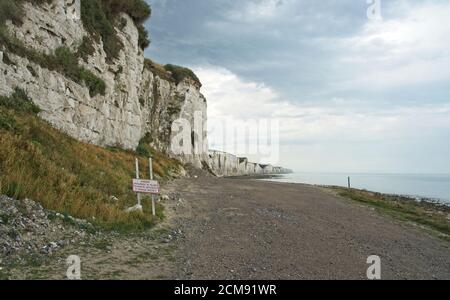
[248, 229]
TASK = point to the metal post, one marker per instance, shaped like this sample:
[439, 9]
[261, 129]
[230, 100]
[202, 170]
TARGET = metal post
[349, 183]
[150, 165]
[137, 177]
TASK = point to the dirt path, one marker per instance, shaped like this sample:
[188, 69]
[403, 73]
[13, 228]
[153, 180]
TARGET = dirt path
[247, 229]
[244, 229]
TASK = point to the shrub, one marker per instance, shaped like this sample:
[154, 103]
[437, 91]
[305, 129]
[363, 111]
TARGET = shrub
[139, 10]
[144, 40]
[19, 101]
[101, 16]
[95, 85]
[158, 69]
[86, 48]
[144, 146]
[11, 10]
[68, 63]
[63, 61]
[7, 121]
[99, 25]
[65, 58]
[180, 73]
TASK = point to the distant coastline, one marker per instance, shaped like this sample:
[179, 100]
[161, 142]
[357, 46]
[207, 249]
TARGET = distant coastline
[429, 187]
[257, 176]
[419, 199]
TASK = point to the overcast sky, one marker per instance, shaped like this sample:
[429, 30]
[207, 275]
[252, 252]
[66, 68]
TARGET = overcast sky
[352, 94]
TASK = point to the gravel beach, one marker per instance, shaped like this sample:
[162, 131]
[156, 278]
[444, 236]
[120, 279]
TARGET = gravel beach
[218, 228]
[249, 229]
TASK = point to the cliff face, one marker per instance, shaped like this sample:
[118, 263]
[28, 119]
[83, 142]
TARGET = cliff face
[226, 164]
[136, 101]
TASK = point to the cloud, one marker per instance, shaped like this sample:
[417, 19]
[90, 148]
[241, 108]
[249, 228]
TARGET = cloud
[232, 96]
[411, 49]
[337, 119]
[345, 89]
[319, 127]
[257, 10]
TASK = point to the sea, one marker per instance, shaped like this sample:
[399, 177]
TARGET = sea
[430, 186]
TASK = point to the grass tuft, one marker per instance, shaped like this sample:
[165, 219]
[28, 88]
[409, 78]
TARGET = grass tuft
[429, 215]
[180, 73]
[19, 101]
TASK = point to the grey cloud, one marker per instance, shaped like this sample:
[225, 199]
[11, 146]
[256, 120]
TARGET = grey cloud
[297, 50]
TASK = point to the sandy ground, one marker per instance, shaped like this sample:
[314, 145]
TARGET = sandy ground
[248, 229]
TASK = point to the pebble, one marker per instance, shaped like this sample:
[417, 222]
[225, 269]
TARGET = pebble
[33, 228]
[114, 199]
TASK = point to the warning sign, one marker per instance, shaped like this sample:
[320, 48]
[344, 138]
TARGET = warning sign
[145, 186]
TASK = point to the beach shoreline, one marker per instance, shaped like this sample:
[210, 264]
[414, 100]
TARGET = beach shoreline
[433, 188]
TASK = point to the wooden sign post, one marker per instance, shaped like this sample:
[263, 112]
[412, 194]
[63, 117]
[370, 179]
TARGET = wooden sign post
[150, 164]
[143, 186]
[137, 177]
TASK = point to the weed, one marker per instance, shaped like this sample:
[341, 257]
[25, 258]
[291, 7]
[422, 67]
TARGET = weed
[404, 209]
[19, 101]
[180, 73]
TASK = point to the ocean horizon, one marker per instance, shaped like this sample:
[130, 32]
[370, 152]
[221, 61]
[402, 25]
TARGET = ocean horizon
[430, 186]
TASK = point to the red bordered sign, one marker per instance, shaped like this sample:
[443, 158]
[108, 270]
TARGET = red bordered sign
[146, 186]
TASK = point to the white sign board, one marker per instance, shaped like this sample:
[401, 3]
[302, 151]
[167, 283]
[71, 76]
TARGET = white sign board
[145, 186]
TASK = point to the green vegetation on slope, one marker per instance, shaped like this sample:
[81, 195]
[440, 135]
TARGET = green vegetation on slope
[429, 215]
[158, 70]
[19, 101]
[13, 10]
[39, 162]
[180, 73]
[67, 63]
[171, 72]
[62, 61]
[100, 17]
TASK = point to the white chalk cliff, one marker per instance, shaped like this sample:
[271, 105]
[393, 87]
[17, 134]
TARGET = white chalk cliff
[138, 100]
